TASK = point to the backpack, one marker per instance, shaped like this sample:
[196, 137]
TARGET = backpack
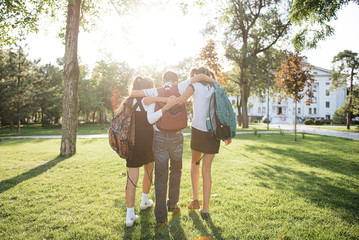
[174, 119]
[221, 121]
[122, 132]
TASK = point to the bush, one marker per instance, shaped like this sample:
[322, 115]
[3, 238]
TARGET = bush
[339, 116]
[328, 122]
[266, 121]
[255, 121]
[318, 122]
[308, 122]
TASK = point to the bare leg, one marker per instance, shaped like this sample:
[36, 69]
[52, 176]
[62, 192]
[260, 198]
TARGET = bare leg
[132, 179]
[147, 177]
[196, 156]
[207, 180]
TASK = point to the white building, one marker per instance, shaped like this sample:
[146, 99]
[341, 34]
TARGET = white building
[325, 102]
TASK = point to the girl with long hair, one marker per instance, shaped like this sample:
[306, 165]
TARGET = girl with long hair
[141, 153]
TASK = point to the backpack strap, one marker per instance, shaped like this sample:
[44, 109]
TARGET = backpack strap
[138, 104]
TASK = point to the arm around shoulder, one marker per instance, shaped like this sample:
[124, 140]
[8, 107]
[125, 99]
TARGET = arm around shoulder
[137, 93]
[202, 77]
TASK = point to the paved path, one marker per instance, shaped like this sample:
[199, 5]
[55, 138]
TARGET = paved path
[287, 128]
[319, 131]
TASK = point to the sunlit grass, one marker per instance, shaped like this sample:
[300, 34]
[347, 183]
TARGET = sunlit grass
[353, 128]
[38, 130]
[92, 129]
[265, 187]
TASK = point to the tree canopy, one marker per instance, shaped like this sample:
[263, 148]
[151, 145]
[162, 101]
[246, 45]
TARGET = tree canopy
[314, 17]
[346, 73]
[254, 27]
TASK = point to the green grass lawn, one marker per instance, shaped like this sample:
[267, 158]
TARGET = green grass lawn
[266, 187]
[339, 128]
[89, 129]
[38, 130]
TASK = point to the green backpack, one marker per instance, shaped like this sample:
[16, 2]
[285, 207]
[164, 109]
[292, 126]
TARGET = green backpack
[221, 120]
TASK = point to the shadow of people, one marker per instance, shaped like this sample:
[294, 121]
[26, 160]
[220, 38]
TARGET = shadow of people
[34, 172]
[175, 228]
[197, 222]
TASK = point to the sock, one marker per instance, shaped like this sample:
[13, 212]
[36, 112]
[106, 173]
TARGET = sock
[144, 198]
[130, 213]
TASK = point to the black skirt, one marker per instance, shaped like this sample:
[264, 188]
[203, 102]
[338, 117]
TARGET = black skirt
[204, 142]
[141, 153]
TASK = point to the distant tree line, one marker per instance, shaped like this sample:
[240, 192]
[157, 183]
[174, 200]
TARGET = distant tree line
[33, 93]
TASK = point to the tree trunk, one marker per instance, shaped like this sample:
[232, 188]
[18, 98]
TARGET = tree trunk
[239, 107]
[295, 122]
[244, 101]
[18, 126]
[349, 114]
[71, 78]
[42, 118]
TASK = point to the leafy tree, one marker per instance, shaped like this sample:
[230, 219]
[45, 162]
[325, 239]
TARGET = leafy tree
[345, 73]
[88, 101]
[295, 81]
[48, 93]
[209, 57]
[253, 27]
[19, 78]
[315, 16]
[20, 17]
[105, 77]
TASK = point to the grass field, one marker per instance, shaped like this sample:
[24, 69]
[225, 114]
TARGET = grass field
[266, 187]
[339, 128]
[88, 129]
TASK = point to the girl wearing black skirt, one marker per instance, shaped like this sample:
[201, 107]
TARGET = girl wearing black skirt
[202, 141]
[141, 153]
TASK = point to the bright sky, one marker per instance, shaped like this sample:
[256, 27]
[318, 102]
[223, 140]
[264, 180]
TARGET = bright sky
[167, 36]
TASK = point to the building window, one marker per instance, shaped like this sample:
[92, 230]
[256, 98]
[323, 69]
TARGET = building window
[327, 104]
[299, 110]
[314, 88]
[310, 110]
[327, 117]
[315, 110]
[259, 110]
[327, 93]
[264, 110]
[314, 100]
[279, 111]
[327, 83]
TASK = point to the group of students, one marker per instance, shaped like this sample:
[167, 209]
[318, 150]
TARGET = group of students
[162, 150]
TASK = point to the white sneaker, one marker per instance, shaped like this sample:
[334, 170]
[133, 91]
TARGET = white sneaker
[144, 206]
[131, 221]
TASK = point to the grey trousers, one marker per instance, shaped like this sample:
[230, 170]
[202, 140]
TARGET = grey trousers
[167, 148]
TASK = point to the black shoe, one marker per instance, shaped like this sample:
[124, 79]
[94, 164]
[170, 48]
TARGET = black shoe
[173, 207]
[205, 215]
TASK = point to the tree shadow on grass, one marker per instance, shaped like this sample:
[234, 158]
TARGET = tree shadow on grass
[331, 162]
[34, 172]
[323, 191]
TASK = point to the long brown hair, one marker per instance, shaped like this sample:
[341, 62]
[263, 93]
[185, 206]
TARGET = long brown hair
[139, 83]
